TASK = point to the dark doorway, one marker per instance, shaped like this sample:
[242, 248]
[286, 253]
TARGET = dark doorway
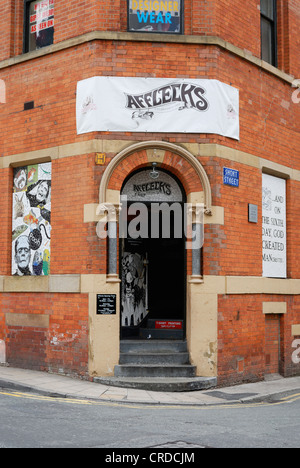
[152, 267]
[166, 290]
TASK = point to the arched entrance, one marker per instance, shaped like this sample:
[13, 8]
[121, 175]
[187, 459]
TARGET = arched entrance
[200, 306]
[152, 255]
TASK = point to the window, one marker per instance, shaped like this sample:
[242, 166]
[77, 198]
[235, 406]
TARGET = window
[155, 16]
[38, 24]
[269, 31]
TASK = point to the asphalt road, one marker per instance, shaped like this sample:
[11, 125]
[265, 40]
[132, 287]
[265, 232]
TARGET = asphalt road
[34, 421]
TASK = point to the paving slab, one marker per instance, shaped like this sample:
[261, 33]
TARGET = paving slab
[60, 385]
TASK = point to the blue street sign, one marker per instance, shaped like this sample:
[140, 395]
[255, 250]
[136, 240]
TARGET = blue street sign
[231, 177]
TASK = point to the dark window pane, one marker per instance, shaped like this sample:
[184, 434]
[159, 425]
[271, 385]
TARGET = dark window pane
[267, 8]
[266, 41]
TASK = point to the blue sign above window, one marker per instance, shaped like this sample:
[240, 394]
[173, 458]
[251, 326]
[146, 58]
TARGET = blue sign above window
[231, 177]
[155, 16]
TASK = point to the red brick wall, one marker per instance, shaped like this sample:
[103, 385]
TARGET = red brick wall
[293, 229]
[6, 26]
[239, 23]
[292, 37]
[62, 348]
[75, 247]
[234, 21]
[272, 344]
[266, 107]
[252, 344]
[241, 339]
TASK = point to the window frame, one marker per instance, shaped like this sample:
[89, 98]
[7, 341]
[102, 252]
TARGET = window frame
[25, 26]
[273, 24]
[26, 23]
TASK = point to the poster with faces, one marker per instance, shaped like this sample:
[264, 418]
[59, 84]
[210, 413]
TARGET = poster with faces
[31, 220]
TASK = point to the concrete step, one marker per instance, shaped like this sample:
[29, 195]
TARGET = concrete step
[154, 358]
[153, 346]
[154, 370]
[160, 384]
[158, 365]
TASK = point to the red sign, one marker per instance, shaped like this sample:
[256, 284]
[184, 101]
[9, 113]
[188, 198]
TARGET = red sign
[41, 15]
[168, 324]
[40, 26]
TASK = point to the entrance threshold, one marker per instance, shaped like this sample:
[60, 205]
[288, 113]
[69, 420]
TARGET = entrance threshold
[158, 365]
[160, 384]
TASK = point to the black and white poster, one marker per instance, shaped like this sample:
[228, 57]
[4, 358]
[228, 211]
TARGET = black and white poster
[134, 289]
[161, 105]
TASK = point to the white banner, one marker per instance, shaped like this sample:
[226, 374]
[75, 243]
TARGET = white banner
[274, 226]
[160, 105]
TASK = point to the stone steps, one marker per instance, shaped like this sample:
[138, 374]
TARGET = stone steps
[153, 370]
[153, 346]
[158, 365]
[162, 358]
[155, 358]
[160, 384]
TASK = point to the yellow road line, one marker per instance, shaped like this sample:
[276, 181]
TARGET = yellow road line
[86, 402]
[291, 396]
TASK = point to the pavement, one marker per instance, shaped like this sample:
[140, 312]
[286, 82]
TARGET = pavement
[53, 385]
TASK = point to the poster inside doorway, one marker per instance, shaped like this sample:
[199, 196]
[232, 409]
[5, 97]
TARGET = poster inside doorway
[133, 289]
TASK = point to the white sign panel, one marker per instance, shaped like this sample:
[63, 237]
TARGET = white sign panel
[274, 227]
[141, 187]
[118, 104]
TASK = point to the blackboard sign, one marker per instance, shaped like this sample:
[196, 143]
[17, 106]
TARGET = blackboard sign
[106, 304]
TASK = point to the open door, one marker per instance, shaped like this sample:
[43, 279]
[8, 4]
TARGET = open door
[152, 265]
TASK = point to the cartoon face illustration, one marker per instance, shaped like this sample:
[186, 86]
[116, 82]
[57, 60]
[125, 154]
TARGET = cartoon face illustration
[20, 179]
[37, 264]
[22, 252]
[42, 192]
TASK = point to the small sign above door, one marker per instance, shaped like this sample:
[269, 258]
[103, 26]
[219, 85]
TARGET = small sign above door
[168, 324]
[141, 187]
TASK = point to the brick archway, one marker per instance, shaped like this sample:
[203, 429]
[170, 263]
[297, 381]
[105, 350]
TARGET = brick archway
[175, 159]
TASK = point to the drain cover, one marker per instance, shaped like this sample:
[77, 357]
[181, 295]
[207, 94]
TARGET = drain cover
[230, 396]
[179, 444]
